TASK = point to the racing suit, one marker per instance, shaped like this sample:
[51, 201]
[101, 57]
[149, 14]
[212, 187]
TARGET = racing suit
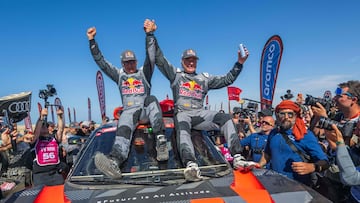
[189, 91]
[139, 106]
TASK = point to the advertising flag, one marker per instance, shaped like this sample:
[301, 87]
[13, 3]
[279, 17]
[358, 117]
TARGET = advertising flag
[74, 114]
[28, 124]
[269, 68]
[15, 106]
[52, 113]
[69, 114]
[89, 109]
[234, 93]
[58, 105]
[101, 93]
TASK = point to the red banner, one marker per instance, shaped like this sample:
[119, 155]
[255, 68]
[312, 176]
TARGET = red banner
[234, 93]
[101, 93]
[27, 121]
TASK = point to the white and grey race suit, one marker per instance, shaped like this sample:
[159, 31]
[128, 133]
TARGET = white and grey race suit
[189, 91]
[138, 105]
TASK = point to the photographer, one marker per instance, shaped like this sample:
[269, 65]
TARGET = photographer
[348, 173]
[348, 103]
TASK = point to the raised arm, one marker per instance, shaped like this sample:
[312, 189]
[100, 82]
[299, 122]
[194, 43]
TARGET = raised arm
[216, 82]
[153, 49]
[110, 70]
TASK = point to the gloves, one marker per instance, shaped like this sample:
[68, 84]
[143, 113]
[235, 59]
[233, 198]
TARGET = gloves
[242, 165]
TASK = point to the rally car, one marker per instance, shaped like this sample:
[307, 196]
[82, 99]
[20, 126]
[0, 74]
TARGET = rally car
[147, 180]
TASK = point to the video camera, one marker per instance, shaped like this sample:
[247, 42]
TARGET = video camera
[46, 93]
[311, 101]
[345, 128]
[287, 96]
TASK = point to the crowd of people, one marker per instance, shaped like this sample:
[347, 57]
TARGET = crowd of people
[42, 156]
[313, 141]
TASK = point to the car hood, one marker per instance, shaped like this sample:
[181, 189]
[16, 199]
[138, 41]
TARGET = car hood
[257, 186]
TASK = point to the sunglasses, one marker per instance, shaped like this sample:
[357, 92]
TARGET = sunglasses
[339, 92]
[266, 123]
[289, 114]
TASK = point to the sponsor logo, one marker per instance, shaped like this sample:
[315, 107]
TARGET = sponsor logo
[268, 71]
[132, 86]
[191, 89]
[19, 107]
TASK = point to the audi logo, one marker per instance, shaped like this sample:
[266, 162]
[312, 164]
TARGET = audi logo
[19, 107]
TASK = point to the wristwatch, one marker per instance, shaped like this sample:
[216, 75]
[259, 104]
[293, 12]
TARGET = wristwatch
[318, 168]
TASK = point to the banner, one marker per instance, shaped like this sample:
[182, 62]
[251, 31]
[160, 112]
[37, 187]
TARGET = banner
[52, 113]
[28, 124]
[15, 106]
[234, 93]
[58, 105]
[74, 114]
[69, 114]
[89, 110]
[269, 68]
[101, 93]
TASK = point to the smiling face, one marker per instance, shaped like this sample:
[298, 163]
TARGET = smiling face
[130, 66]
[189, 64]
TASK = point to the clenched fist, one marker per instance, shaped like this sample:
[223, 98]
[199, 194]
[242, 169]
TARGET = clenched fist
[91, 32]
[149, 26]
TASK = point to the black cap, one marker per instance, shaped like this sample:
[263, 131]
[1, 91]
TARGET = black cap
[128, 56]
[189, 53]
[265, 112]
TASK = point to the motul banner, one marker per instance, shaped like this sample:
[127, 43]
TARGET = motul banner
[101, 93]
[269, 68]
[15, 106]
[234, 93]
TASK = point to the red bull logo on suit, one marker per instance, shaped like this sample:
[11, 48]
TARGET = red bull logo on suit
[191, 89]
[132, 86]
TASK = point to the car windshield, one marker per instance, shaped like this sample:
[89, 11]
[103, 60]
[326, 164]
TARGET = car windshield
[142, 167]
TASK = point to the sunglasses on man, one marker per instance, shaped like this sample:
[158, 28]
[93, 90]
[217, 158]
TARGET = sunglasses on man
[339, 92]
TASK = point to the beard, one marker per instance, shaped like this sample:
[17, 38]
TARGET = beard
[286, 125]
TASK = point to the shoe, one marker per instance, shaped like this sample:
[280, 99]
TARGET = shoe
[6, 186]
[107, 166]
[192, 172]
[161, 148]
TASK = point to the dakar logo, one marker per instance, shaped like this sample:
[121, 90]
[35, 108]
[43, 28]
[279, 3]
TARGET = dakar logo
[191, 89]
[190, 52]
[132, 85]
[129, 54]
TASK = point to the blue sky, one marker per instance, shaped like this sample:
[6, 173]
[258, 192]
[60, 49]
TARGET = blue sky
[44, 42]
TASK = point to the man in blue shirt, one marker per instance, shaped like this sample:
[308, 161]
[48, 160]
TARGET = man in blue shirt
[283, 158]
[257, 141]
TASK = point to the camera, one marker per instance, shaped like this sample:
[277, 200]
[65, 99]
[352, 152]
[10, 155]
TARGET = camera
[287, 96]
[345, 128]
[311, 101]
[46, 93]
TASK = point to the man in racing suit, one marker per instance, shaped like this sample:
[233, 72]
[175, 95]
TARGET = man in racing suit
[189, 90]
[139, 107]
